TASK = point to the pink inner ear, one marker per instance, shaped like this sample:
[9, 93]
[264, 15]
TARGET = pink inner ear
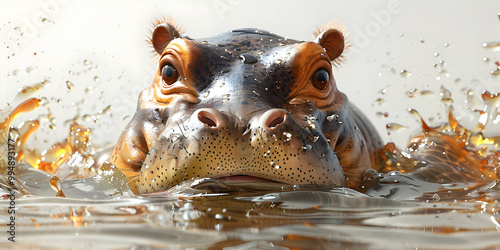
[162, 35]
[332, 41]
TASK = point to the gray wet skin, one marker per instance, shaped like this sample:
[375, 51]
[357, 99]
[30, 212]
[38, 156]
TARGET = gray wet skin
[245, 103]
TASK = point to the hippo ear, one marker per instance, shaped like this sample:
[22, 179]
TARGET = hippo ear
[332, 40]
[163, 33]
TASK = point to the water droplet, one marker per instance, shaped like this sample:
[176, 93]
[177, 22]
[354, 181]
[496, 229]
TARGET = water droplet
[287, 135]
[44, 101]
[225, 98]
[382, 114]
[445, 93]
[414, 113]
[69, 84]
[86, 62]
[207, 94]
[379, 100]
[311, 125]
[52, 123]
[313, 138]
[390, 70]
[370, 174]
[222, 84]
[436, 197]
[422, 40]
[401, 34]
[411, 93]
[446, 45]
[278, 61]
[89, 89]
[332, 118]
[15, 72]
[96, 79]
[436, 54]
[405, 73]
[106, 110]
[395, 127]
[447, 100]
[54, 183]
[492, 45]
[45, 20]
[296, 187]
[426, 92]
[29, 69]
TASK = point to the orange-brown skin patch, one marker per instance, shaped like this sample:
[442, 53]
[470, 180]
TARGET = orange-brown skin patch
[180, 53]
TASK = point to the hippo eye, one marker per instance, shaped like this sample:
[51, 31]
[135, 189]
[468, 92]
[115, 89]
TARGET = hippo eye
[169, 74]
[320, 79]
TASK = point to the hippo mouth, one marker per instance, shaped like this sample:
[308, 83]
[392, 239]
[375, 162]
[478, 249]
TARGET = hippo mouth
[243, 178]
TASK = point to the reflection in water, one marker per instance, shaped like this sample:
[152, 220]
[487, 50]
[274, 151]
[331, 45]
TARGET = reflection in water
[306, 219]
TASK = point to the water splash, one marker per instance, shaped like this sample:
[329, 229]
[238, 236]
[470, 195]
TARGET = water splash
[445, 162]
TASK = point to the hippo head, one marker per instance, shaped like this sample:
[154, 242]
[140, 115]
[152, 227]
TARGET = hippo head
[245, 105]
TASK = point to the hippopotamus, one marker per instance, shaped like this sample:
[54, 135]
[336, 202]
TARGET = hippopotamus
[246, 106]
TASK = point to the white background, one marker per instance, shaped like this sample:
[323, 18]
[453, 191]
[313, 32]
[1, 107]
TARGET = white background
[386, 37]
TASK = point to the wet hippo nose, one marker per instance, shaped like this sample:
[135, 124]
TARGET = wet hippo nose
[273, 118]
[211, 118]
[207, 118]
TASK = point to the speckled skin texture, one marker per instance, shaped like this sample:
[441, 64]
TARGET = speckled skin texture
[245, 102]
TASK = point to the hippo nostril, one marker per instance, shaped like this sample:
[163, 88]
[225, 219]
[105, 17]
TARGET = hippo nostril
[276, 122]
[276, 119]
[207, 118]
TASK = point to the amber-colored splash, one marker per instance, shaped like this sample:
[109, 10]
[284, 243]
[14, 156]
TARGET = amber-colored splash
[451, 152]
[50, 159]
[27, 106]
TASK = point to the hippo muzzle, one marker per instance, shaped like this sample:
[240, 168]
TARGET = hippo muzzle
[245, 105]
[270, 145]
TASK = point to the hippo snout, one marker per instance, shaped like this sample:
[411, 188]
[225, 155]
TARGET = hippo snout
[270, 145]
